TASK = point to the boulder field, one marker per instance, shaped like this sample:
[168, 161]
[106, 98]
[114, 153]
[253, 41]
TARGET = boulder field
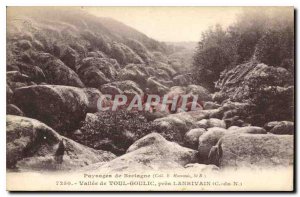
[57, 71]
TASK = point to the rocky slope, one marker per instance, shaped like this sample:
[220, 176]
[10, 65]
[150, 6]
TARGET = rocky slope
[269, 89]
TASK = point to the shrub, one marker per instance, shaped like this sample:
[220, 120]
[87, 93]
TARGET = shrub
[114, 131]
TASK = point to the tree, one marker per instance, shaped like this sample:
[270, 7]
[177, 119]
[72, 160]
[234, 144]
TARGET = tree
[275, 47]
[214, 53]
[267, 36]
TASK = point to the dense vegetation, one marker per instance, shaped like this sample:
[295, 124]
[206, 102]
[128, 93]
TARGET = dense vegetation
[251, 61]
[114, 130]
[266, 36]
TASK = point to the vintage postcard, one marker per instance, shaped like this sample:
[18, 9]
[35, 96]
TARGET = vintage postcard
[150, 99]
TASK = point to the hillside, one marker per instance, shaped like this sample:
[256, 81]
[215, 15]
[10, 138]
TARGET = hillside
[80, 29]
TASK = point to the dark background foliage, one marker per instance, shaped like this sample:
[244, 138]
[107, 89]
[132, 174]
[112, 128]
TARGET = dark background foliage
[265, 36]
[114, 131]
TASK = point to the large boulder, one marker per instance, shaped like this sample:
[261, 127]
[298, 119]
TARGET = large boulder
[191, 137]
[24, 44]
[162, 74]
[166, 82]
[202, 93]
[41, 58]
[110, 89]
[135, 72]
[230, 109]
[209, 123]
[127, 87]
[139, 49]
[165, 67]
[174, 126]
[281, 127]
[270, 125]
[70, 57]
[26, 58]
[249, 130]
[13, 110]
[95, 72]
[16, 76]
[38, 45]
[255, 151]
[98, 54]
[156, 87]
[210, 105]
[151, 152]
[208, 140]
[219, 97]
[176, 91]
[232, 128]
[15, 79]
[35, 73]
[182, 80]
[93, 95]
[32, 145]
[233, 113]
[57, 73]
[191, 92]
[200, 114]
[124, 54]
[9, 94]
[61, 107]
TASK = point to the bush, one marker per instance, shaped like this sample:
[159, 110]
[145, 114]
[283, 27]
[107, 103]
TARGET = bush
[114, 131]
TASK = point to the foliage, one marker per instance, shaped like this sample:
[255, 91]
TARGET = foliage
[213, 55]
[265, 35]
[114, 131]
[275, 47]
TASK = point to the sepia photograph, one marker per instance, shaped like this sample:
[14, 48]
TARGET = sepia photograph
[150, 98]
